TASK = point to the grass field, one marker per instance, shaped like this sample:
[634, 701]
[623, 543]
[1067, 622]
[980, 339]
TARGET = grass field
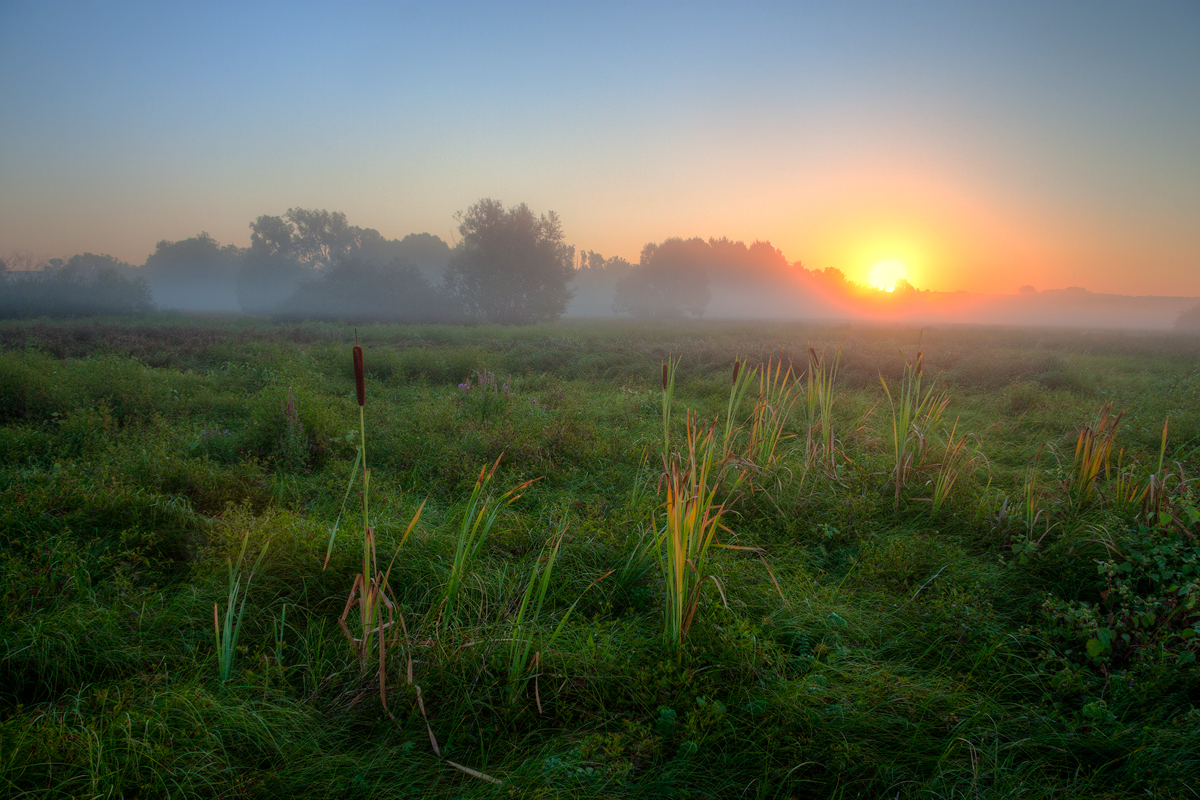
[980, 588]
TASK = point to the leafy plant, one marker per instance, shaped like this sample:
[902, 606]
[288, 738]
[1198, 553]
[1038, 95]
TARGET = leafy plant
[482, 395]
[1148, 606]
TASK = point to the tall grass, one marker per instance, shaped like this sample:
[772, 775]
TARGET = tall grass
[1093, 450]
[958, 459]
[915, 411]
[771, 414]
[228, 633]
[690, 521]
[477, 521]
[524, 632]
[819, 445]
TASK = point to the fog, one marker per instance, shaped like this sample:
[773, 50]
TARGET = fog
[316, 264]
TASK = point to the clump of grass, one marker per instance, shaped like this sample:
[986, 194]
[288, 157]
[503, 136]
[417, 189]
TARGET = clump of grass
[819, 446]
[524, 635]
[691, 519]
[915, 410]
[480, 515]
[770, 416]
[1093, 450]
[957, 461]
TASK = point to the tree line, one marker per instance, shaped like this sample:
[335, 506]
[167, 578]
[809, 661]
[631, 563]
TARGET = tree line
[509, 266]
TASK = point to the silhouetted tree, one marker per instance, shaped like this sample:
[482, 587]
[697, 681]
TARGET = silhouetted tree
[512, 267]
[671, 280]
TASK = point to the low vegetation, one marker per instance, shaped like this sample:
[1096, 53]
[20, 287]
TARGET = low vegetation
[596, 560]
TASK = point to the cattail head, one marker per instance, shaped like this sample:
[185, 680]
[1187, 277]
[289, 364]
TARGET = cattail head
[812, 354]
[664, 375]
[737, 367]
[360, 378]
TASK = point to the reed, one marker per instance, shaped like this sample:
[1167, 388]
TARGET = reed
[771, 414]
[228, 631]
[915, 410]
[480, 515]
[819, 446]
[743, 378]
[690, 522]
[957, 460]
[377, 613]
[669, 368]
[524, 635]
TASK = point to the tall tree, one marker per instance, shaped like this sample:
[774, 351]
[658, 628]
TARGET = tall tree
[512, 266]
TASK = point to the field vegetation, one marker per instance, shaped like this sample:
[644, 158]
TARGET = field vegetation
[586, 559]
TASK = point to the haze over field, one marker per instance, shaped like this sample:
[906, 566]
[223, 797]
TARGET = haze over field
[958, 148]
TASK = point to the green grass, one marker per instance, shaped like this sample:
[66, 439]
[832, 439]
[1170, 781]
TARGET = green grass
[961, 638]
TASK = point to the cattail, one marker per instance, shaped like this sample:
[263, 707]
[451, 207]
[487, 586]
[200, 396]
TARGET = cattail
[360, 379]
[664, 376]
[737, 367]
[812, 354]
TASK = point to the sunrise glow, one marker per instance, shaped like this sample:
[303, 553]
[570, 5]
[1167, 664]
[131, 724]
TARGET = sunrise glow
[884, 274]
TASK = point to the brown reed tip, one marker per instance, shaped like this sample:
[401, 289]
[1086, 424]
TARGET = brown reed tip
[360, 377]
[812, 354]
[664, 376]
[737, 367]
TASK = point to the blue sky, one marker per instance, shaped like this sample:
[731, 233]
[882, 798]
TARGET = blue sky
[986, 145]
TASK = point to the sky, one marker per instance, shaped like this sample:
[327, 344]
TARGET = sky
[985, 146]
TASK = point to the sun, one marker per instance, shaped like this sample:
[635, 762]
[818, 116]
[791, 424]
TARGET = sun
[884, 274]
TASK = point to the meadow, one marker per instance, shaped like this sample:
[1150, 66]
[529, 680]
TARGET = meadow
[600, 559]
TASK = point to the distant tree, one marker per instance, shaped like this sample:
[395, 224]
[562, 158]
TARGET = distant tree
[321, 238]
[359, 290]
[512, 267]
[196, 274]
[595, 284]
[424, 251]
[83, 285]
[671, 280]
[1188, 321]
[1027, 291]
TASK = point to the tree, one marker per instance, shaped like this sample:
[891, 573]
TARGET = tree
[512, 267]
[196, 274]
